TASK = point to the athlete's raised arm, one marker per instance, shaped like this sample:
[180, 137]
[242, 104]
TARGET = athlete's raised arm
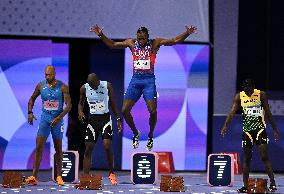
[172, 41]
[109, 42]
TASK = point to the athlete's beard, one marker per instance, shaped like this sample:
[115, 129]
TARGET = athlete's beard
[249, 91]
[50, 81]
[93, 85]
[142, 45]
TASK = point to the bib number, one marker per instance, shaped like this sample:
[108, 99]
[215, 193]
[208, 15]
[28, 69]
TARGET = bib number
[253, 111]
[97, 106]
[142, 64]
[51, 105]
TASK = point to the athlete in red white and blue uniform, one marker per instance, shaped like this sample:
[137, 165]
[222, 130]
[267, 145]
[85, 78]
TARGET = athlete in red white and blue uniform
[144, 53]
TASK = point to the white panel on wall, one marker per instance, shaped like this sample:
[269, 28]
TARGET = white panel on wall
[120, 18]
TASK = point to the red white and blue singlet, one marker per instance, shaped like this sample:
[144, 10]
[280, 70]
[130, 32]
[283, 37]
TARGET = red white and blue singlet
[143, 79]
[143, 58]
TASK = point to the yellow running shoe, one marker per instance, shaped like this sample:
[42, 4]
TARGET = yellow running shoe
[112, 178]
[59, 181]
[135, 140]
[31, 180]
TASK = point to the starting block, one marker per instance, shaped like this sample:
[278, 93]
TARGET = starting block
[165, 162]
[172, 184]
[144, 168]
[13, 180]
[220, 170]
[91, 182]
[257, 185]
[70, 167]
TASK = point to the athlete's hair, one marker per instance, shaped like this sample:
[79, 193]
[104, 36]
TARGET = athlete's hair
[143, 29]
[248, 83]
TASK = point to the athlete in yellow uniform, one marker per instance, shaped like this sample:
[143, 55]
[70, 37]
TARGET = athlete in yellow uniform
[254, 105]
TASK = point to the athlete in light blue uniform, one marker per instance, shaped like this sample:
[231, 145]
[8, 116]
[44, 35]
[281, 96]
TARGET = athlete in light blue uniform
[53, 94]
[144, 53]
[99, 95]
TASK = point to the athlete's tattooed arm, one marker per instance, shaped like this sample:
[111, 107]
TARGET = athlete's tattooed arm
[236, 105]
[109, 42]
[31, 102]
[179, 39]
[266, 108]
[113, 106]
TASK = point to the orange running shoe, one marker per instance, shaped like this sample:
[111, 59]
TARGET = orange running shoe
[59, 181]
[112, 178]
[31, 180]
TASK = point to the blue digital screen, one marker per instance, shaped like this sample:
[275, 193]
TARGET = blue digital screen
[68, 167]
[144, 168]
[220, 170]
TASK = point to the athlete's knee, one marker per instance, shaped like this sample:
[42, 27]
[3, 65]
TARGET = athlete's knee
[246, 163]
[88, 151]
[247, 159]
[264, 158]
[58, 148]
[153, 111]
[107, 146]
[125, 111]
[39, 148]
[58, 152]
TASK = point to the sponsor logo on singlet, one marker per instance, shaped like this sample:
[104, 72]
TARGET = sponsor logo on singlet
[51, 105]
[254, 111]
[97, 106]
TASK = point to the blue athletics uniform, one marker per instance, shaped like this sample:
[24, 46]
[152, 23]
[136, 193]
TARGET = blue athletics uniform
[52, 106]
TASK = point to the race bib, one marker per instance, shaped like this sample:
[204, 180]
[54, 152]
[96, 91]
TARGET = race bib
[97, 106]
[142, 64]
[51, 105]
[255, 111]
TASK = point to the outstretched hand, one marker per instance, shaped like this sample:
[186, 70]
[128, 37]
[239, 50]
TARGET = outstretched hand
[276, 135]
[97, 29]
[31, 118]
[191, 29]
[81, 117]
[55, 121]
[223, 131]
[119, 126]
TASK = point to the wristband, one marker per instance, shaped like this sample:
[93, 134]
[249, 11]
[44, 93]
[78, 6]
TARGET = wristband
[30, 112]
[118, 118]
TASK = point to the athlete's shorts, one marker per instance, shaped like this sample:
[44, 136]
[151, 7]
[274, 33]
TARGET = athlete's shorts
[99, 124]
[44, 128]
[141, 85]
[256, 136]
